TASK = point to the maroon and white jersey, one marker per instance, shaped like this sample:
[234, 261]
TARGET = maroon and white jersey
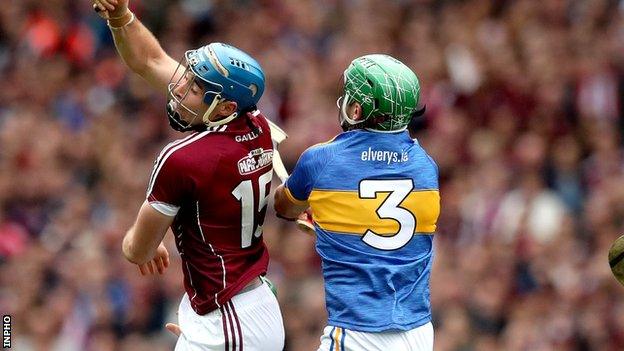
[216, 183]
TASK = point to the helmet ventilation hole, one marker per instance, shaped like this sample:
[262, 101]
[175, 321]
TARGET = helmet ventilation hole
[238, 63]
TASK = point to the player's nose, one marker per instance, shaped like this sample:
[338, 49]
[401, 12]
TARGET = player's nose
[177, 91]
[181, 87]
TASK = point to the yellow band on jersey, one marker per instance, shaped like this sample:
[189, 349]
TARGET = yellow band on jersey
[346, 212]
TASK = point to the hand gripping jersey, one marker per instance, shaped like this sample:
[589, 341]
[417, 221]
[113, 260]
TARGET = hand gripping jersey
[217, 183]
[375, 202]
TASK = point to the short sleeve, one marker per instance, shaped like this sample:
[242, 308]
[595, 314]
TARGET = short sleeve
[169, 185]
[307, 170]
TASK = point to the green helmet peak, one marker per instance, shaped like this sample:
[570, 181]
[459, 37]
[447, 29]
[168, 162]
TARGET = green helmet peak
[387, 90]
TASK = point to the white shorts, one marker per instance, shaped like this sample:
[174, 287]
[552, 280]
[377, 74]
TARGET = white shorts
[250, 321]
[341, 339]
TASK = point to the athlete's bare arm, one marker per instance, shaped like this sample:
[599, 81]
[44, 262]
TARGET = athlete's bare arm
[136, 45]
[142, 243]
[285, 207]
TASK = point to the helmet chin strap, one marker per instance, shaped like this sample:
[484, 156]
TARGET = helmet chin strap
[212, 106]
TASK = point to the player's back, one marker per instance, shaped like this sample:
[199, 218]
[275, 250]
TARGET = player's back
[375, 201]
[221, 180]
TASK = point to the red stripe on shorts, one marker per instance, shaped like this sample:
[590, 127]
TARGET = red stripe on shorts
[227, 310]
[240, 334]
[225, 330]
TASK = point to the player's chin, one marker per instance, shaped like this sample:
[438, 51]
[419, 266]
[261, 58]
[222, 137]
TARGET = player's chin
[189, 120]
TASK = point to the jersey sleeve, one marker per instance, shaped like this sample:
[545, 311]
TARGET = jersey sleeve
[307, 170]
[169, 185]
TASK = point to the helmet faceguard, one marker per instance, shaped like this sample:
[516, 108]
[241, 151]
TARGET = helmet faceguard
[186, 79]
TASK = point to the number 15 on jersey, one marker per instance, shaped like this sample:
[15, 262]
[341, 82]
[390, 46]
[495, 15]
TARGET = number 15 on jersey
[253, 201]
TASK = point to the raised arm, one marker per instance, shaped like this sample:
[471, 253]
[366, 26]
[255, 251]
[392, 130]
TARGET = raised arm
[136, 45]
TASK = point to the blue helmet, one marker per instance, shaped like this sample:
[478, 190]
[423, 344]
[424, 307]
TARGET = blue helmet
[225, 73]
[229, 72]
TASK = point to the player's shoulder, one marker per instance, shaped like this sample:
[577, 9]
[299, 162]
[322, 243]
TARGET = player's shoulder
[172, 148]
[418, 148]
[258, 117]
[332, 145]
[321, 151]
[181, 151]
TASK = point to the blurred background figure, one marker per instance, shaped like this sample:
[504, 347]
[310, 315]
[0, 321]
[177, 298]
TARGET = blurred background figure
[525, 113]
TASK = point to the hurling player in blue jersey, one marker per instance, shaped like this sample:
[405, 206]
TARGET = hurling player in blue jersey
[373, 192]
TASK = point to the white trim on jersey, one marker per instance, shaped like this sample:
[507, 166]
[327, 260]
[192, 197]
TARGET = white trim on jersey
[174, 146]
[201, 231]
[191, 280]
[220, 128]
[160, 163]
[214, 253]
[165, 208]
[163, 151]
[216, 295]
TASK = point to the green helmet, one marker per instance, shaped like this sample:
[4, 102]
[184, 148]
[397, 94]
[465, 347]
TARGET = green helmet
[387, 90]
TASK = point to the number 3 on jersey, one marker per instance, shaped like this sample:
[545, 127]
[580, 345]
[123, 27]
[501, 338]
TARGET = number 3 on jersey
[245, 194]
[399, 190]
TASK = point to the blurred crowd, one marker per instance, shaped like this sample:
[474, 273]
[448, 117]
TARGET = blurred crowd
[525, 113]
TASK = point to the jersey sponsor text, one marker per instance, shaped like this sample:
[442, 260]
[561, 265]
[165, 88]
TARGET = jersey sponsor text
[254, 161]
[384, 156]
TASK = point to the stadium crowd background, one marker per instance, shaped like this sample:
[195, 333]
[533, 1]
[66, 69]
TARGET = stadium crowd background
[525, 113]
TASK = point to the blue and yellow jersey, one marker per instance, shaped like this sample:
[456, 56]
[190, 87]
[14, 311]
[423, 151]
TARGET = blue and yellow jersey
[375, 203]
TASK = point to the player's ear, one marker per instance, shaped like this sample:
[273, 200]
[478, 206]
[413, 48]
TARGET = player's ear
[356, 111]
[226, 108]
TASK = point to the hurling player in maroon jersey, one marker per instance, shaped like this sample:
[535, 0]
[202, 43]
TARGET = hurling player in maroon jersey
[210, 187]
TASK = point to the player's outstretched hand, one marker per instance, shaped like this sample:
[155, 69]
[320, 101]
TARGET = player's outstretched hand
[108, 9]
[160, 261]
[305, 222]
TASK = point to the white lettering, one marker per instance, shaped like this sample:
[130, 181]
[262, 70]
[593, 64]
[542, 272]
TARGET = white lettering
[6, 331]
[386, 156]
[245, 137]
[255, 161]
